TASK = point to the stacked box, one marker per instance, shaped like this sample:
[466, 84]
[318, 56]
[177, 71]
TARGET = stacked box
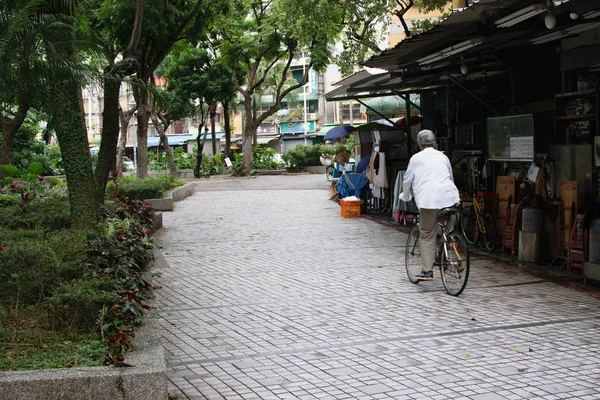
[350, 208]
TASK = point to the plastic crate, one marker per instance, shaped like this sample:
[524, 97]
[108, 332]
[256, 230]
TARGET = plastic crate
[350, 208]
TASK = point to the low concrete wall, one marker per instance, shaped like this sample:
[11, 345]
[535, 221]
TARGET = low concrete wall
[181, 173]
[146, 380]
[168, 202]
[314, 169]
[269, 172]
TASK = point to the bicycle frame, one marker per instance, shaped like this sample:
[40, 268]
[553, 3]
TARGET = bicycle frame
[443, 247]
[477, 208]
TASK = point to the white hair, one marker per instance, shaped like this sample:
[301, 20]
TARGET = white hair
[426, 138]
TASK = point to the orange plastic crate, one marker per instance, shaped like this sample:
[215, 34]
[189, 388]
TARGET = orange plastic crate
[350, 208]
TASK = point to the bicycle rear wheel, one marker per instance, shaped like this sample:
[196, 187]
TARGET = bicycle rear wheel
[489, 237]
[455, 268]
[412, 255]
[468, 225]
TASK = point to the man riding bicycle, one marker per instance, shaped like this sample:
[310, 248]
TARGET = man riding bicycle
[429, 173]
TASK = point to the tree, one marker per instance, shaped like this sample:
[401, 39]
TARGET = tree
[113, 75]
[364, 21]
[168, 23]
[124, 118]
[67, 119]
[23, 69]
[195, 75]
[260, 35]
[166, 108]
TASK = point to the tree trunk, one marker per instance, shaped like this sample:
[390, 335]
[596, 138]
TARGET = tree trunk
[249, 130]
[200, 144]
[107, 156]
[212, 114]
[143, 115]
[227, 129]
[255, 131]
[9, 131]
[160, 128]
[124, 117]
[74, 147]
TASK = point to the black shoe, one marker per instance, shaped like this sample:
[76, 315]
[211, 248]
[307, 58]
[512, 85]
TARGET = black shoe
[425, 276]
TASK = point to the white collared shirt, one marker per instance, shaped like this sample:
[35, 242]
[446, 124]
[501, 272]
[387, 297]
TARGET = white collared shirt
[429, 173]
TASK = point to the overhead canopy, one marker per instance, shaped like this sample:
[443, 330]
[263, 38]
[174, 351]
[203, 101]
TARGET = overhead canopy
[174, 140]
[376, 126]
[326, 128]
[264, 139]
[477, 36]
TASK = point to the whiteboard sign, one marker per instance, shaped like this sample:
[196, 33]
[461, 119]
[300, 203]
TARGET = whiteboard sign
[521, 147]
[228, 162]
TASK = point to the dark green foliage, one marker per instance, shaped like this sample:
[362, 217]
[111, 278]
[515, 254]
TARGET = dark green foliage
[33, 263]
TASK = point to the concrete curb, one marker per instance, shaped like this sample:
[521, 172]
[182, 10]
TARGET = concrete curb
[146, 380]
[168, 202]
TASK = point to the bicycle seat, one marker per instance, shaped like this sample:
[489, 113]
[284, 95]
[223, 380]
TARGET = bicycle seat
[444, 212]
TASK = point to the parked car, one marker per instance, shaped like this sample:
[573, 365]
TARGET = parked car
[128, 165]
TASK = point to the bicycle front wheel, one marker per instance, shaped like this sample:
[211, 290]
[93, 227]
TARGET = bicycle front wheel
[468, 225]
[489, 237]
[455, 266]
[413, 255]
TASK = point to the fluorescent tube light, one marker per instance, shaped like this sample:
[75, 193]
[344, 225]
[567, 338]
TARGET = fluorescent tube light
[583, 27]
[520, 16]
[549, 37]
[449, 51]
[565, 32]
[591, 14]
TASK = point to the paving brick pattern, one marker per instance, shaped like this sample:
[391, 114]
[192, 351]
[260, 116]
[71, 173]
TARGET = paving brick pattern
[271, 294]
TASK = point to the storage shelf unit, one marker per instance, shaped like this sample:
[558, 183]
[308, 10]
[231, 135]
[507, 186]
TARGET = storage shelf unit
[576, 116]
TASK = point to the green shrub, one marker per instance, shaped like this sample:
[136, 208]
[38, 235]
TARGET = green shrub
[264, 158]
[79, 304]
[143, 189]
[183, 160]
[304, 156]
[50, 213]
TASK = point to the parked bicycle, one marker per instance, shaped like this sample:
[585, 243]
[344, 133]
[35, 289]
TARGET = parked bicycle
[452, 255]
[477, 225]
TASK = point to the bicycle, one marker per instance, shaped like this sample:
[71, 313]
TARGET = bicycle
[476, 224]
[452, 255]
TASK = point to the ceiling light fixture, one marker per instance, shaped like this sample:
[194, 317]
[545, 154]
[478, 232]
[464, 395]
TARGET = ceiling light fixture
[550, 18]
[464, 68]
[520, 16]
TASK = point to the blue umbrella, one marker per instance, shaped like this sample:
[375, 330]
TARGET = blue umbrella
[338, 132]
[363, 163]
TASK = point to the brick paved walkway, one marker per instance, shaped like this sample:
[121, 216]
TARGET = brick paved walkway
[270, 294]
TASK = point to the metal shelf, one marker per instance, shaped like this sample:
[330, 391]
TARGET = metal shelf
[584, 93]
[583, 117]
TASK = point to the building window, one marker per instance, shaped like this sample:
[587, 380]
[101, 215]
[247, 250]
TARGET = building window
[297, 74]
